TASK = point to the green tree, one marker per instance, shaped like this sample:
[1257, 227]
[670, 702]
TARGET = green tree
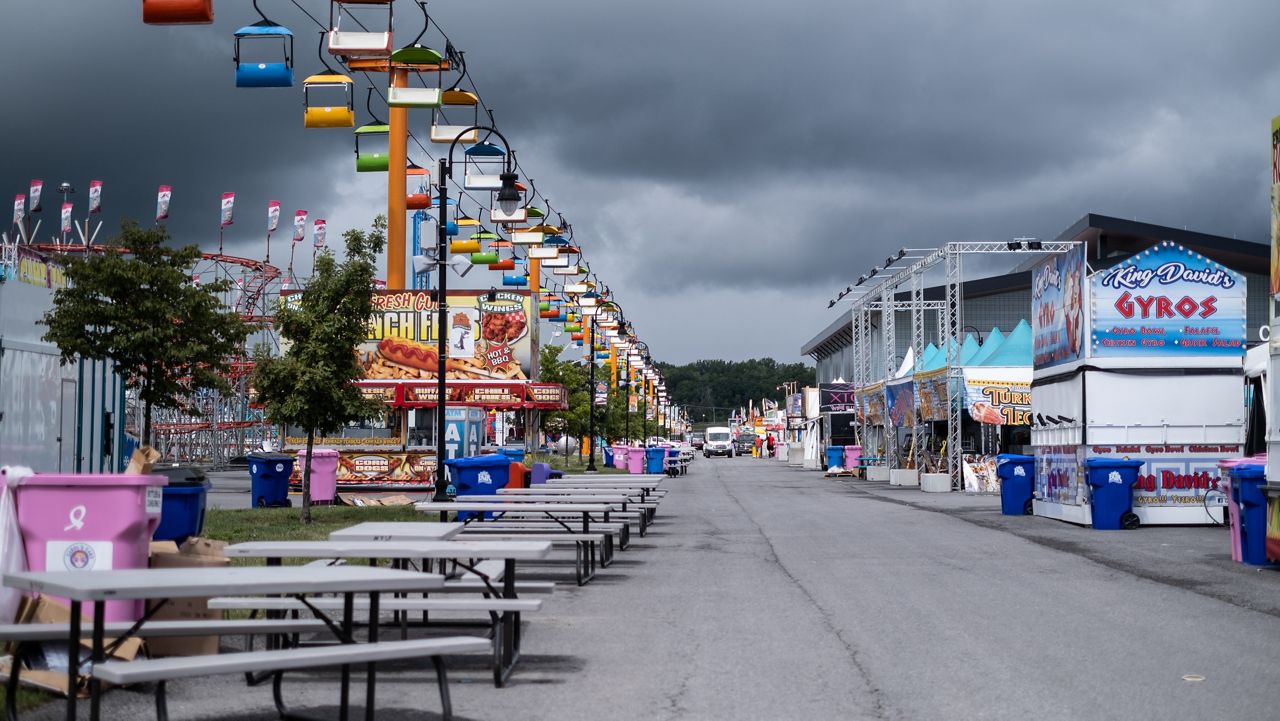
[135, 305]
[312, 386]
[709, 389]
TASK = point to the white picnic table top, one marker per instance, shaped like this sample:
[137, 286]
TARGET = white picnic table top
[498, 505]
[631, 481]
[610, 477]
[548, 498]
[567, 491]
[504, 550]
[397, 531]
[142, 583]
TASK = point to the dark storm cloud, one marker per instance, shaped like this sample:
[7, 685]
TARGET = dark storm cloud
[709, 153]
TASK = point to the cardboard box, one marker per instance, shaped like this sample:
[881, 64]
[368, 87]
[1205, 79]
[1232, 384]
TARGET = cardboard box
[142, 460]
[195, 553]
[46, 668]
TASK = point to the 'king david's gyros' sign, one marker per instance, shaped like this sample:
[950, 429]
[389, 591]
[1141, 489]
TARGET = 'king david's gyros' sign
[1168, 301]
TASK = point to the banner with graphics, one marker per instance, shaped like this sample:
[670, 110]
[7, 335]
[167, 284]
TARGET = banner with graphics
[19, 208]
[319, 232]
[601, 393]
[95, 196]
[299, 226]
[1168, 301]
[228, 208]
[1057, 309]
[66, 218]
[273, 215]
[162, 202]
[1275, 207]
[875, 404]
[836, 398]
[901, 403]
[37, 188]
[1060, 475]
[931, 394]
[998, 396]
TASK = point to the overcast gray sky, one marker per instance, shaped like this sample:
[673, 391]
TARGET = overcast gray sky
[728, 166]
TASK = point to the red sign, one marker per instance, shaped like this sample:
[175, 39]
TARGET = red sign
[498, 356]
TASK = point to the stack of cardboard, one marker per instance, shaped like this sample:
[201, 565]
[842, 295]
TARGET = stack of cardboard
[194, 553]
[45, 665]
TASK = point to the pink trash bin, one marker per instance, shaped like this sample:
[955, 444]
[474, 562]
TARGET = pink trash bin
[635, 460]
[87, 522]
[1233, 510]
[324, 473]
[852, 457]
[620, 456]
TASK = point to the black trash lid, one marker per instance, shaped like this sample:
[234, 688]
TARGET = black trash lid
[269, 456]
[181, 475]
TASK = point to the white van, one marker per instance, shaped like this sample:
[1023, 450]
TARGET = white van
[719, 442]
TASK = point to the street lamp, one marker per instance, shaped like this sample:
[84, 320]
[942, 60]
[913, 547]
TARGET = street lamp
[588, 305]
[507, 195]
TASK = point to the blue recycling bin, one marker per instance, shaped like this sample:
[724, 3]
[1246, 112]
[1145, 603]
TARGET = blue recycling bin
[608, 456]
[515, 454]
[182, 504]
[1247, 480]
[1111, 482]
[655, 460]
[269, 479]
[1017, 478]
[835, 456]
[479, 476]
[539, 474]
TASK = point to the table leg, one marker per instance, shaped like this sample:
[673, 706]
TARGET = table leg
[371, 673]
[73, 660]
[348, 620]
[95, 686]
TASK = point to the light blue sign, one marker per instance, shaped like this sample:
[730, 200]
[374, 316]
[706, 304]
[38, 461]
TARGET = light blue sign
[1168, 301]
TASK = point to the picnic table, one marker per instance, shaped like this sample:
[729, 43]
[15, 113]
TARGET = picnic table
[397, 531]
[503, 614]
[164, 584]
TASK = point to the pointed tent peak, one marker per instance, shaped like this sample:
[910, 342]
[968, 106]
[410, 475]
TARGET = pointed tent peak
[992, 344]
[968, 349]
[928, 356]
[908, 364]
[1016, 349]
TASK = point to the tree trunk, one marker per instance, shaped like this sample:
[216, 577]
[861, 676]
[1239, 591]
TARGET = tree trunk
[146, 408]
[306, 478]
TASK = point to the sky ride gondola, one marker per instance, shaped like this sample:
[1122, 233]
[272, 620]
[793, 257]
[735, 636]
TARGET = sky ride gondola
[376, 134]
[419, 179]
[276, 74]
[358, 43]
[325, 84]
[177, 12]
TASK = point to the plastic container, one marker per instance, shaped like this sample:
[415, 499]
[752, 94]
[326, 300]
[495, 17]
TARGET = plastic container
[835, 457]
[607, 451]
[182, 505]
[635, 461]
[87, 522]
[269, 479]
[479, 475]
[324, 473]
[516, 474]
[1111, 481]
[620, 456]
[1017, 475]
[539, 474]
[655, 460]
[1225, 468]
[852, 457]
[515, 454]
[1246, 487]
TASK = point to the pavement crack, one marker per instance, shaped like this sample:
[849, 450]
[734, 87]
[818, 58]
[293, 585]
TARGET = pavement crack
[879, 709]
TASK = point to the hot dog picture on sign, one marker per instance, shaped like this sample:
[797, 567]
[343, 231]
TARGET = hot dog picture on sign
[487, 338]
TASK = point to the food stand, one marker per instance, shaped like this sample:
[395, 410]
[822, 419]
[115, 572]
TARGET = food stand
[492, 356]
[1115, 353]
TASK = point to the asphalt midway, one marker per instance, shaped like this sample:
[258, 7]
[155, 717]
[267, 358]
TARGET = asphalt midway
[767, 592]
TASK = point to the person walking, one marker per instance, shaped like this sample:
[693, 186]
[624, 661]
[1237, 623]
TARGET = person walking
[756, 447]
[769, 443]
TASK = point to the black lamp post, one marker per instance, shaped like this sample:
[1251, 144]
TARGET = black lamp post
[509, 202]
[591, 409]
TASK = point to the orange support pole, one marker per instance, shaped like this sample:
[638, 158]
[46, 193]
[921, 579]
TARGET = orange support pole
[397, 187]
